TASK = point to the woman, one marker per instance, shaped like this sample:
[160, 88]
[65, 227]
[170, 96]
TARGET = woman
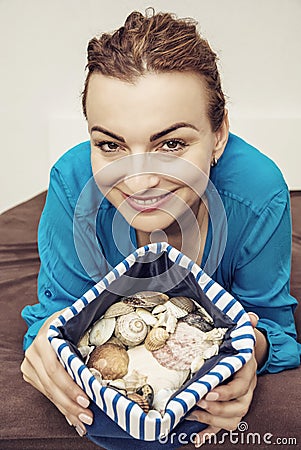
[153, 93]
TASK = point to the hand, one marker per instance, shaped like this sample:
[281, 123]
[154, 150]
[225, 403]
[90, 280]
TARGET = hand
[42, 370]
[226, 405]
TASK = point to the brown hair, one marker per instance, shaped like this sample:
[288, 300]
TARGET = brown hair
[157, 43]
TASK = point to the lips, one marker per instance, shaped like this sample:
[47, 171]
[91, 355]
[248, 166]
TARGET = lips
[149, 203]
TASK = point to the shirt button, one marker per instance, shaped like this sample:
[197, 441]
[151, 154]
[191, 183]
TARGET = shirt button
[48, 293]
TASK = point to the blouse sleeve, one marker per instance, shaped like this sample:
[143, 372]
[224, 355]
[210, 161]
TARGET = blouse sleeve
[62, 278]
[261, 283]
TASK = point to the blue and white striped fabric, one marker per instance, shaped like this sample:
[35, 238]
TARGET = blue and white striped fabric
[126, 413]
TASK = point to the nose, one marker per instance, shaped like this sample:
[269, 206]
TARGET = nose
[141, 183]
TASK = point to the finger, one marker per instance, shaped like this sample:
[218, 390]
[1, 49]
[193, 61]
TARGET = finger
[253, 319]
[205, 435]
[242, 380]
[233, 408]
[227, 423]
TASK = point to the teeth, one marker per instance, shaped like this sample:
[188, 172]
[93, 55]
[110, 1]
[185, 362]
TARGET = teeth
[149, 201]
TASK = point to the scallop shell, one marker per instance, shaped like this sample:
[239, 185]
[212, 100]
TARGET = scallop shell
[142, 402]
[175, 310]
[134, 380]
[147, 316]
[146, 299]
[130, 329]
[118, 309]
[102, 330]
[110, 360]
[156, 338]
[197, 321]
[184, 303]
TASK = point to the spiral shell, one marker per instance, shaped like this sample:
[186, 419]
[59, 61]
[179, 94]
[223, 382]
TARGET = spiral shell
[184, 303]
[130, 329]
[110, 360]
[118, 309]
[102, 330]
[156, 338]
[142, 402]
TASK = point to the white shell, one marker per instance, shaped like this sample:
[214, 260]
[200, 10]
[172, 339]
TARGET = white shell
[130, 329]
[159, 309]
[161, 399]
[197, 364]
[84, 340]
[133, 380]
[118, 309]
[175, 310]
[102, 330]
[147, 316]
[171, 323]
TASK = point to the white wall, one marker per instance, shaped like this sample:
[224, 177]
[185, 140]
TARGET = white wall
[43, 54]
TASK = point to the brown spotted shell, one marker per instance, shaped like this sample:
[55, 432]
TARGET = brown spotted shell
[142, 402]
[156, 338]
[146, 299]
[130, 329]
[110, 360]
[118, 309]
[184, 303]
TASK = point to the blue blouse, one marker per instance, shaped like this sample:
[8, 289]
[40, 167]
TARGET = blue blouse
[255, 267]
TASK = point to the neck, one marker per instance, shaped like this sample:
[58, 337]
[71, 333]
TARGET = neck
[187, 234]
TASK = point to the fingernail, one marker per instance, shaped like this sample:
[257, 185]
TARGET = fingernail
[82, 401]
[68, 421]
[203, 404]
[212, 396]
[191, 417]
[85, 418]
[81, 430]
[198, 441]
[254, 315]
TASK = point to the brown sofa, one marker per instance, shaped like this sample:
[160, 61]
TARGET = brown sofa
[29, 421]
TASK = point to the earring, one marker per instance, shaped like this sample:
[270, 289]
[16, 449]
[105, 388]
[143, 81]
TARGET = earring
[214, 161]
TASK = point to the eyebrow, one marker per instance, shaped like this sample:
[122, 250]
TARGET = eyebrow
[153, 137]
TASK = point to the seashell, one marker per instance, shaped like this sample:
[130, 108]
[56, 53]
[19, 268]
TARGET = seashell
[216, 335]
[184, 303]
[161, 319]
[110, 360]
[161, 399]
[159, 309]
[118, 384]
[197, 321]
[96, 374]
[84, 340]
[118, 309]
[171, 323]
[147, 392]
[175, 310]
[202, 311]
[147, 316]
[146, 299]
[134, 380]
[211, 351]
[85, 351]
[130, 329]
[196, 364]
[156, 338]
[102, 330]
[140, 400]
[116, 341]
[158, 376]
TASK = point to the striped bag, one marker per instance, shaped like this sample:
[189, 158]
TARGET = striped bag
[117, 419]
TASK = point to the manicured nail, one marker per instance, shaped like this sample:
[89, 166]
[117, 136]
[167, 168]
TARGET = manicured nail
[212, 396]
[254, 315]
[82, 401]
[198, 442]
[81, 430]
[191, 417]
[68, 421]
[85, 418]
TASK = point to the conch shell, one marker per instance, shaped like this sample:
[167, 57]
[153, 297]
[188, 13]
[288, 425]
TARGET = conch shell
[110, 360]
[130, 329]
[156, 338]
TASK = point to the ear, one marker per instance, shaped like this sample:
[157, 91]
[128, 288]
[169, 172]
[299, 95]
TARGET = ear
[221, 137]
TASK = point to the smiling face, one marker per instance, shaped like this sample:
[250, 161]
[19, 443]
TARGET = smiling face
[146, 140]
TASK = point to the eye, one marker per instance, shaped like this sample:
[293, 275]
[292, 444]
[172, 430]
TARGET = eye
[173, 145]
[107, 146]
